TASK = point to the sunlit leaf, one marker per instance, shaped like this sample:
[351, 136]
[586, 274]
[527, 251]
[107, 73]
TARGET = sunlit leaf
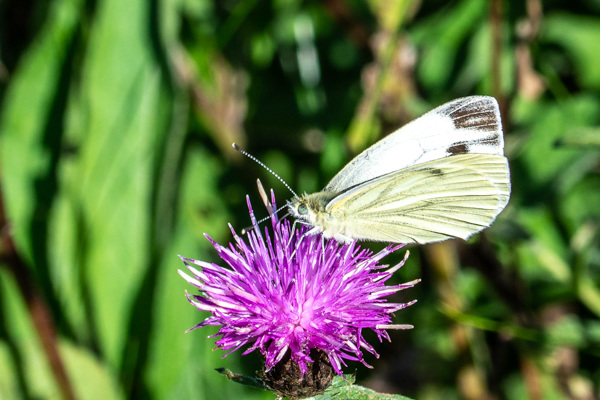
[575, 33]
[30, 124]
[27, 354]
[91, 378]
[124, 121]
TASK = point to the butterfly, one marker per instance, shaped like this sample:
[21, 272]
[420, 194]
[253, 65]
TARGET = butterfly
[441, 176]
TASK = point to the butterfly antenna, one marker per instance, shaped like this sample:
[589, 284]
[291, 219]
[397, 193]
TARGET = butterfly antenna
[256, 160]
[249, 228]
[268, 205]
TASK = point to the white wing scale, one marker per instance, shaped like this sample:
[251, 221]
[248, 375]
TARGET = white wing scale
[453, 197]
[466, 125]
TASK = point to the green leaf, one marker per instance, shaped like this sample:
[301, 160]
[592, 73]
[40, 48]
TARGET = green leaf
[30, 123]
[27, 360]
[544, 255]
[575, 34]
[567, 331]
[580, 204]
[23, 355]
[346, 389]
[548, 123]
[476, 72]
[124, 120]
[9, 379]
[90, 377]
[440, 38]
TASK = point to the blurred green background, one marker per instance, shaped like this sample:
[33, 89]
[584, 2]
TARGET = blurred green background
[116, 125]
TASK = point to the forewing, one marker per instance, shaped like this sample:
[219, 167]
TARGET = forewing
[470, 125]
[456, 196]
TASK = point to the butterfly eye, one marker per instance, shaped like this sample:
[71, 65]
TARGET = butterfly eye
[302, 209]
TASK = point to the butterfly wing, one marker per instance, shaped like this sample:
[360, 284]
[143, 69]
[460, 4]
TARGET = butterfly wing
[463, 126]
[455, 196]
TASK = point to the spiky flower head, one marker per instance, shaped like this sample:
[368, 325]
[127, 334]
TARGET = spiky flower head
[288, 294]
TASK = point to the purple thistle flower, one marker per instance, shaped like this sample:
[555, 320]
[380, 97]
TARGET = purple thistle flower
[291, 293]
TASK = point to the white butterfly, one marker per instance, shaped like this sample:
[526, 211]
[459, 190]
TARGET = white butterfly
[443, 175]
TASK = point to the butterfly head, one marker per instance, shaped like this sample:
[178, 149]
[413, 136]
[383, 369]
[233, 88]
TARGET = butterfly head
[303, 208]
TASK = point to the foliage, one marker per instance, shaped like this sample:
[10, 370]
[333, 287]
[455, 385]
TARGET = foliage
[116, 124]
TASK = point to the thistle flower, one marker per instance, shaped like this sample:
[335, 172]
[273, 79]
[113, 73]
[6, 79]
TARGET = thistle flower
[295, 296]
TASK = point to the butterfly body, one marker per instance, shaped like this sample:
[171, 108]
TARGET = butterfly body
[442, 176]
[313, 209]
